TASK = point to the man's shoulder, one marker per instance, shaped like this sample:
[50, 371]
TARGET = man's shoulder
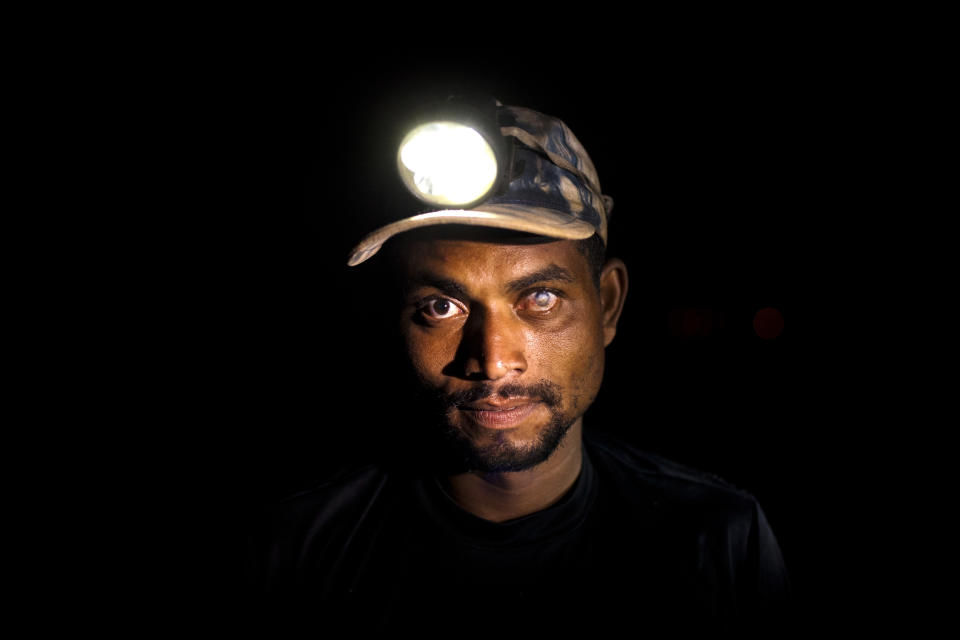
[333, 498]
[317, 520]
[336, 488]
[660, 481]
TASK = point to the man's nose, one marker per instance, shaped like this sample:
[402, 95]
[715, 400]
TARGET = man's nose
[494, 344]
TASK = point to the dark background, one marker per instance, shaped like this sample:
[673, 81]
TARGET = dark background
[720, 160]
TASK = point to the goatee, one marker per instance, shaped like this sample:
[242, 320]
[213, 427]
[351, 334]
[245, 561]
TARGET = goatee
[503, 454]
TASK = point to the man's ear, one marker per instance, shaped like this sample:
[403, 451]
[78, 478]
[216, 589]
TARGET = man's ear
[613, 293]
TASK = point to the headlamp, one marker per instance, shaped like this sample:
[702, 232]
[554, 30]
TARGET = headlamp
[456, 156]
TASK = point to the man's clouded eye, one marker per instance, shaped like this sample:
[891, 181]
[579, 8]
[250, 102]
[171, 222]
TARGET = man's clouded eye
[540, 300]
[440, 309]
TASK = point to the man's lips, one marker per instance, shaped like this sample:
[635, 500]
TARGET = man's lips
[499, 413]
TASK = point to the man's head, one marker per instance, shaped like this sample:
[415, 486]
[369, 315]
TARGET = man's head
[505, 334]
[507, 306]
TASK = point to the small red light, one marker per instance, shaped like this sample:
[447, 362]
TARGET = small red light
[768, 323]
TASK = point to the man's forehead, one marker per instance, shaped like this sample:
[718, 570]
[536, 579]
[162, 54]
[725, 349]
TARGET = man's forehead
[452, 250]
[490, 257]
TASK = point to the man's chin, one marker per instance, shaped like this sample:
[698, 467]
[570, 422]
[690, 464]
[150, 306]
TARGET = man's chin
[493, 451]
[505, 459]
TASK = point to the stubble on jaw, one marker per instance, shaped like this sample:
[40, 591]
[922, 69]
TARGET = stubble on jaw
[504, 455]
[501, 453]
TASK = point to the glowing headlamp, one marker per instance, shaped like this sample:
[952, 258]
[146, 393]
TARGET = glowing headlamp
[455, 158]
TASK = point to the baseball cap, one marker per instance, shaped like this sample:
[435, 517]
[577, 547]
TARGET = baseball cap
[553, 190]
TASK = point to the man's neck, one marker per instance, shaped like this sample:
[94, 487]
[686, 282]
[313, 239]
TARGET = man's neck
[506, 495]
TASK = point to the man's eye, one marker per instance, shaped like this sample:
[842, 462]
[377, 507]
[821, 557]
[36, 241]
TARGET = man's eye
[440, 309]
[540, 301]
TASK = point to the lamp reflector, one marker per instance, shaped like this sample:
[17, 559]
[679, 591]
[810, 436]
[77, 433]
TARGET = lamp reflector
[447, 163]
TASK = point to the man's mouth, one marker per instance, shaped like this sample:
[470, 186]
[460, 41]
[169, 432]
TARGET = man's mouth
[499, 413]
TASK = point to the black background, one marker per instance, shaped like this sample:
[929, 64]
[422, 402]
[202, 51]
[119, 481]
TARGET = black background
[721, 160]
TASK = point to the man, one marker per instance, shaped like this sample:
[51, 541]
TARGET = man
[508, 513]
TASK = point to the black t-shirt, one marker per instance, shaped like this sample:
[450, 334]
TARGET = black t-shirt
[637, 540]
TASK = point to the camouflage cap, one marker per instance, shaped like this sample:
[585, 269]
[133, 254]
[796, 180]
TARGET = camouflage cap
[553, 192]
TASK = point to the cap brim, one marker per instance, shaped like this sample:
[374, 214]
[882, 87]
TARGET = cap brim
[536, 220]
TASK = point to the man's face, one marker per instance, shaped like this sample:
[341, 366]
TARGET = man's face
[508, 338]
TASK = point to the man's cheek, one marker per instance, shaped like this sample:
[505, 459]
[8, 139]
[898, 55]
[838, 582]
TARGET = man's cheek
[420, 357]
[585, 384]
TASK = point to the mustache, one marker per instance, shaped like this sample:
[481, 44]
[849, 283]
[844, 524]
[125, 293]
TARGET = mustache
[545, 391]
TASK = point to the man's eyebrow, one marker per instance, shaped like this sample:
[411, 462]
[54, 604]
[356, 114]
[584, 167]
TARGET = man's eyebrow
[448, 286]
[455, 289]
[550, 272]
